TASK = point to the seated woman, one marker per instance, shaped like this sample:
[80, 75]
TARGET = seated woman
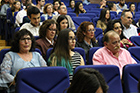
[116, 25]
[88, 80]
[85, 37]
[62, 23]
[103, 19]
[20, 56]
[62, 54]
[79, 8]
[48, 11]
[15, 8]
[56, 4]
[72, 4]
[132, 8]
[47, 33]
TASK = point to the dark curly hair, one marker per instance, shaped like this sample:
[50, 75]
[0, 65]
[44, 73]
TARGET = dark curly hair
[15, 47]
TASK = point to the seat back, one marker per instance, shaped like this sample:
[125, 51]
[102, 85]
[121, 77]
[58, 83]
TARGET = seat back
[135, 40]
[4, 51]
[42, 80]
[91, 52]
[79, 20]
[98, 32]
[91, 15]
[134, 51]
[131, 77]
[111, 75]
[100, 41]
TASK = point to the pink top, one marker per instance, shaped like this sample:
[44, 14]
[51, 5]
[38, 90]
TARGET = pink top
[103, 56]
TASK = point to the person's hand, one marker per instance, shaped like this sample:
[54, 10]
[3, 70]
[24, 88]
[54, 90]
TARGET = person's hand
[84, 11]
[125, 41]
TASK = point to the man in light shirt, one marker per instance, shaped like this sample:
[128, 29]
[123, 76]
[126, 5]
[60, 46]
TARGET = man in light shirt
[111, 53]
[33, 14]
[121, 5]
[129, 28]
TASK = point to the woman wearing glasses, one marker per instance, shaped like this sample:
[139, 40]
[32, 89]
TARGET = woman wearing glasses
[20, 56]
[85, 37]
[47, 33]
[62, 54]
[116, 25]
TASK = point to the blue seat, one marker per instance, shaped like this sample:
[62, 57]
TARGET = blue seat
[37, 37]
[98, 32]
[72, 14]
[78, 49]
[100, 41]
[134, 51]
[78, 20]
[4, 51]
[135, 40]
[91, 15]
[94, 20]
[17, 29]
[94, 11]
[91, 52]
[130, 78]
[113, 16]
[42, 18]
[113, 12]
[42, 80]
[111, 75]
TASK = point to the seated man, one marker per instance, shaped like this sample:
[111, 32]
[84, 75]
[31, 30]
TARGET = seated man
[121, 5]
[63, 11]
[33, 14]
[129, 29]
[111, 53]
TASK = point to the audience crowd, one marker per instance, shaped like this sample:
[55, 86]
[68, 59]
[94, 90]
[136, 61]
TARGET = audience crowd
[54, 26]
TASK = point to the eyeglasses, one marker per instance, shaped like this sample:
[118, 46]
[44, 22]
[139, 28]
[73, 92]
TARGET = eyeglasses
[72, 39]
[52, 29]
[92, 30]
[23, 39]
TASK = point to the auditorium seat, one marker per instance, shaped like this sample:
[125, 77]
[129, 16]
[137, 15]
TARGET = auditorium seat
[91, 52]
[135, 53]
[42, 80]
[131, 77]
[111, 75]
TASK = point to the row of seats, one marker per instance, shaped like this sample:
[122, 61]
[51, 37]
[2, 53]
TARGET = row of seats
[134, 51]
[46, 80]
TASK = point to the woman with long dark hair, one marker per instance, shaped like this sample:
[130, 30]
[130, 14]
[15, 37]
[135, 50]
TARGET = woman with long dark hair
[103, 20]
[62, 54]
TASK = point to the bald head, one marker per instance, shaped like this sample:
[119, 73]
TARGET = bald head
[108, 35]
